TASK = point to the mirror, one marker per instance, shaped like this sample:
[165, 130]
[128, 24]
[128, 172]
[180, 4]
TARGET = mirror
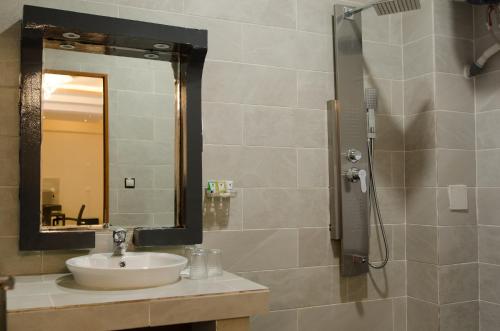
[110, 130]
[108, 139]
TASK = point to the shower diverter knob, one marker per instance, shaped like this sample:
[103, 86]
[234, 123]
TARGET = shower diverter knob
[354, 155]
[355, 175]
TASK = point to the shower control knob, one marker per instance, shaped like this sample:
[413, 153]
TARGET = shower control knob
[355, 175]
[354, 155]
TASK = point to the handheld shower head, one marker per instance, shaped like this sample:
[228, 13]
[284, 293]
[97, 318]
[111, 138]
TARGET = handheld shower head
[386, 7]
[371, 107]
[371, 98]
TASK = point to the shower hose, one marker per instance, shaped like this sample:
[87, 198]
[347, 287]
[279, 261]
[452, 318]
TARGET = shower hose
[373, 201]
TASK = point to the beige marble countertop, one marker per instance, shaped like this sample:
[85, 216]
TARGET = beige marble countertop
[61, 291]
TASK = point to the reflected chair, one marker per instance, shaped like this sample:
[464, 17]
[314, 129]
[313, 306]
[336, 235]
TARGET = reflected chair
[84, 221]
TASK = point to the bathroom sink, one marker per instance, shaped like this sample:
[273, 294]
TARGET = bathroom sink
[132, 270]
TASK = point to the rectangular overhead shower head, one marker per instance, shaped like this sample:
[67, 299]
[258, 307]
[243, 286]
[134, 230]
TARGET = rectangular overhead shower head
[386, 7]
[395, 6]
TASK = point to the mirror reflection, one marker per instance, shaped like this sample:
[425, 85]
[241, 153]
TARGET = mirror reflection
[109, 135]
[72, 152]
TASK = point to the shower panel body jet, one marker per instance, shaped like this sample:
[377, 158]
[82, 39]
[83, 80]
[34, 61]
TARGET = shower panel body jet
[351, 136]
[347, 143]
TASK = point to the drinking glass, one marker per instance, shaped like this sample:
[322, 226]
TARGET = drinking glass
[214, 262]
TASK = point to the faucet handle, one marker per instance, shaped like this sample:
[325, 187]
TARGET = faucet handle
[119, 235]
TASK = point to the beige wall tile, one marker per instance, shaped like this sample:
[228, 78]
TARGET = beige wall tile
[314, 52]
[275, 320]
[9, 117]
[280, 13]
[489, 285]
[9, 209]
[309, 128]
[454, 93]
[419, 95]
[399, 312]
[13, 262]
[383, 60]
[422, 282]
[270, 46]
[363, 316]
[458, 283]
[489, 176]
[487, 97]
[316, 248]
[452, 54]
[312, 168]
[417, 59]
[249, 84]
[421, 243]
[420, 131]
[168, 5]
[489, 244]
[456, 167]
[446, 16]
[421, 206]
[314, 89]
[487, 203]
[268, 126]
[422, 316]
[420, 168]
[418, 24]
[459, 316]
[379, 284]
[255, 250]
[295, 288]
[455, 130]
[392, 205]
[457, 244]
[489, 316]
[315, 16]
[390, 133]
[487, 129]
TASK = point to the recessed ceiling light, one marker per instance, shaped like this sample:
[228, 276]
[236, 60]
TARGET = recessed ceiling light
[67, 46]
[152, 56]
[71, 35]
[161, 46]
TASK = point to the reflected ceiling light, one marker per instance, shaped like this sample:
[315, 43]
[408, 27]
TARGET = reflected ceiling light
[161, 46]
[71, 35]
[67, 46]
[152, 56]
[51, 82]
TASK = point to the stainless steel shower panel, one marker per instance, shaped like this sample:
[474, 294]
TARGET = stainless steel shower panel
[347, 130]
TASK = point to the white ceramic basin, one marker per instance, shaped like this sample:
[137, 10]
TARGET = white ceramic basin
[134, 270]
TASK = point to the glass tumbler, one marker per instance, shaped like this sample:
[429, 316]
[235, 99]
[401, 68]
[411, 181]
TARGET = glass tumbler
[214, 262]
[198, 267]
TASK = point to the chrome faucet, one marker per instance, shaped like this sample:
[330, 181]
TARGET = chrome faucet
[119, 242]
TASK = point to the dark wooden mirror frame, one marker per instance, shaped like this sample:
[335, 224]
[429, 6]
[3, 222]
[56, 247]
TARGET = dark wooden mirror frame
[189, 46]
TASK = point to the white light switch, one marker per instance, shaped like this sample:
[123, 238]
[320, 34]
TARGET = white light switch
[458, 197]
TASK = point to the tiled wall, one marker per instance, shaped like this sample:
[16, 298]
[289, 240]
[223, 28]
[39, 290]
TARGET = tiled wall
[440, 151]
[266, 81]
[488, 180]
